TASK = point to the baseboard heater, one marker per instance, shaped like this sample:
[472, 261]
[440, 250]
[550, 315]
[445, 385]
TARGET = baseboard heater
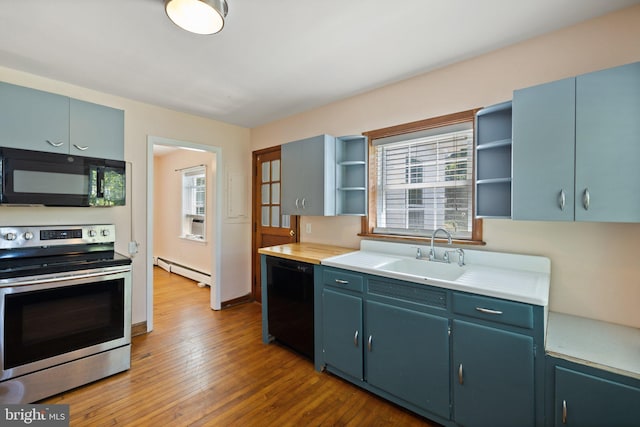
[203, 279]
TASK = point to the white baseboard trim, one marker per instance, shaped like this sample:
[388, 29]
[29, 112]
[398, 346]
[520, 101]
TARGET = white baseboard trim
[202, 278]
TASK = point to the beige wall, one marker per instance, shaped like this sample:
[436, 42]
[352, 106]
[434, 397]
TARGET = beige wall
[167, 210]
[141, 121]
[595, 268]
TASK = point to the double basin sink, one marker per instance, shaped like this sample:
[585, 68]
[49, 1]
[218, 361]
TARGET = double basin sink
[515, 277]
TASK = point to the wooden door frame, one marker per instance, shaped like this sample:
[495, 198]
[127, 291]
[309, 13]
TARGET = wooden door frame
[255, 215]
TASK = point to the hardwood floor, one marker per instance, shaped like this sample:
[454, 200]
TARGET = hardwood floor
[201, 367]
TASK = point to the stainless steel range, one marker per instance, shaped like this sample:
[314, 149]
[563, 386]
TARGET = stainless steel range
[65, 309]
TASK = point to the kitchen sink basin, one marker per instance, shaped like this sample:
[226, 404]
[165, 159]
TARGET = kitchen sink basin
[425, 269]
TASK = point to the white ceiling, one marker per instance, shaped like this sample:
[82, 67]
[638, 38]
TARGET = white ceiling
[273, 58]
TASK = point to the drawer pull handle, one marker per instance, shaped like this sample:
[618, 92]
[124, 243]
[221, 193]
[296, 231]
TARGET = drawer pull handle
[460, 375]
[55, 144]
[564, 412]
[81, 147]
[488, 311]
[355, 339]
[370, 342]
[342, 282]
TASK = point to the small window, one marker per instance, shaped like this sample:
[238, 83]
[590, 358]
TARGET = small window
[194, 190]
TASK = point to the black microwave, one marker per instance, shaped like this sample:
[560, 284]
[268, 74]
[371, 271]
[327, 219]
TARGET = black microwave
[37, 178]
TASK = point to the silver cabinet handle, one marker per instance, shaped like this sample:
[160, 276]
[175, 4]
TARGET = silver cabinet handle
[370, 342]
[460, 375]
[297, 201]
[304, 203]
[80, 147]
[355, 339]
[564, 412]
[488, 311]
[342, 282]
[561, 200]
[54, 144]
[585, 199]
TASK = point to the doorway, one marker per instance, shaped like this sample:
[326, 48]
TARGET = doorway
[207, 241]
[271, 226]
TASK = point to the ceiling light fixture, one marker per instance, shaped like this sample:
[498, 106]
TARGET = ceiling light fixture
[197, 16]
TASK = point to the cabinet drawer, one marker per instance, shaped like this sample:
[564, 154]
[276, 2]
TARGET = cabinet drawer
[343, 280]
[495, 310]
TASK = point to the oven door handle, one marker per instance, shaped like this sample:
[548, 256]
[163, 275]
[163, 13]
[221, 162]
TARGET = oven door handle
[33, 280]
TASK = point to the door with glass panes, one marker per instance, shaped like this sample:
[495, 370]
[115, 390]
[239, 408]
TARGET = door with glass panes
[271, 227]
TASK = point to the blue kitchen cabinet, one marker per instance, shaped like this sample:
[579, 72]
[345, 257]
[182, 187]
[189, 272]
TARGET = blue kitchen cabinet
[407, 355]
[498, 376]
[583, 396]
[608, 145]
[308, 177]
[351, 175]
[493, 161]
[96, 130]
[543, 151]
[33, 120]
[575, 145]
[342, 333]
[493, 373]
[459, 359]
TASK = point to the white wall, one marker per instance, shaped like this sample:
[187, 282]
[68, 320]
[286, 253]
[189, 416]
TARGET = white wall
[595, 268]
[142, 120]
[167, 210]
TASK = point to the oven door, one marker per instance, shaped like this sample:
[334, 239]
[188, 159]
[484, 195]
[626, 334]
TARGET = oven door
[47, 321]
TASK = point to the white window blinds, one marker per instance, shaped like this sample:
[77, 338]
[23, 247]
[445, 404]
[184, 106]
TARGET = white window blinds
[424, 182]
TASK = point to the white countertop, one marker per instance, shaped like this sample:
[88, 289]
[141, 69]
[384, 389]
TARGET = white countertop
[522, 278]
[603, 345]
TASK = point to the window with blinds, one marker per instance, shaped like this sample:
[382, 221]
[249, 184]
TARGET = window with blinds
[425, 182]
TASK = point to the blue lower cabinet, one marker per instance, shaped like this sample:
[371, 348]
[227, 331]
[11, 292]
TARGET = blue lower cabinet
[342, 332]
[458, 359]
[493, 376]
[407, 355]
[585, 397]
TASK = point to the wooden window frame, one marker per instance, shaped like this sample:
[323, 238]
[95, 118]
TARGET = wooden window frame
[369, 221]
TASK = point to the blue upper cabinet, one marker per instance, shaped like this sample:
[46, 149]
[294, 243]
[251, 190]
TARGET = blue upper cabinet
[575, 148]
[33, 120]
[308, 177]
[96, 130]
[543, 151]
[608, 145]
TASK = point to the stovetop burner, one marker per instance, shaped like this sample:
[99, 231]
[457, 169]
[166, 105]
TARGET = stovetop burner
[32, 251]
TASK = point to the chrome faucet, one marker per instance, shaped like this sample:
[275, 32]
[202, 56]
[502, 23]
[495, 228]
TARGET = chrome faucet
[432, 251]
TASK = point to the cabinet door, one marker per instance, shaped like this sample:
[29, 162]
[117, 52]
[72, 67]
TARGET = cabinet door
[583, 400]
[342, 332]
[407, 355]
[308, 176]
[33, 120]
[543, 152]
[96, 130]
[493, 377]
[608, 145]
[291, 155]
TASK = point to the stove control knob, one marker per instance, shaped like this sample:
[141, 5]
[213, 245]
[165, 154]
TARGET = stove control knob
[92, 233]
[105, 232]
[28, 235]
[10, 236]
